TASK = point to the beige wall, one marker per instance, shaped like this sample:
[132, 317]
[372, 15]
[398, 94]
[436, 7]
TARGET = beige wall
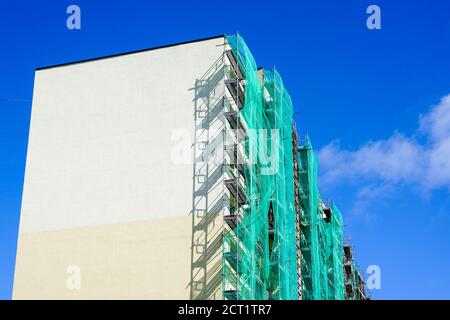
[138, 260]
[100, 157]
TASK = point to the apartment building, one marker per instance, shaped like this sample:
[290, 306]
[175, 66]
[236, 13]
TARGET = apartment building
[172, 173]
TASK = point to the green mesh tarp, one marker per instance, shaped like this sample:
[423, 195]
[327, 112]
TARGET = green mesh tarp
[355, 281]
[321, 238]
[260, 254]
[283, 277]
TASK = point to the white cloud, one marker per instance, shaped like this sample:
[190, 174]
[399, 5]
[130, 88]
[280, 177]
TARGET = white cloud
[364, 197]
[397, 160]
[437, 122]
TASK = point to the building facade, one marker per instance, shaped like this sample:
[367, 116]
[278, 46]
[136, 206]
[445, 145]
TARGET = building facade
[172, 173]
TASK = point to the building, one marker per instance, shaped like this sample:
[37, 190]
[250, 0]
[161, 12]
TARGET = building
[322, 239]
[354, 280]
[172, 173]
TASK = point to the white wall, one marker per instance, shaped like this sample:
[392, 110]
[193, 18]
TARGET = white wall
[99, 158]
[100, 138]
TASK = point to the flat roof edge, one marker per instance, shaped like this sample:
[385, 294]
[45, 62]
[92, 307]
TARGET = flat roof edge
[130, 52]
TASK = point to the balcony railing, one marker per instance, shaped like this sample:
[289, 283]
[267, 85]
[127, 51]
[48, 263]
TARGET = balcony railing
[234, 64]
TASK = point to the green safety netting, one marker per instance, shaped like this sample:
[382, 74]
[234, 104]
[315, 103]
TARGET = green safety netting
[260, 255]
[321, 239]
[336, 242]
[355, 281]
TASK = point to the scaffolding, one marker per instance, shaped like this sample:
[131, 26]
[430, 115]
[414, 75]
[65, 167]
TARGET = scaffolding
[321, 236]
[281, 240]
[295, 155]
[354, 281]
[259, 242]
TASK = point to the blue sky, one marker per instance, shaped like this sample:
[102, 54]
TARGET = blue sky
[372, 102]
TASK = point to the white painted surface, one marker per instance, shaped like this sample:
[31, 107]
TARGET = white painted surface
[100, 139]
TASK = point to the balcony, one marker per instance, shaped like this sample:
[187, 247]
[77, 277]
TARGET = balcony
[349, 290]
[348, 269]
[236, 124]
[348, 252]
[236, 156]
[232, 220]
[233, 258]
[327, 214]
[231, 294]
[234, 64]
[237, 92]
[237, 190]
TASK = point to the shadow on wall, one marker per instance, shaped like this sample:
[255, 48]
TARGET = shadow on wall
[207, 193]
